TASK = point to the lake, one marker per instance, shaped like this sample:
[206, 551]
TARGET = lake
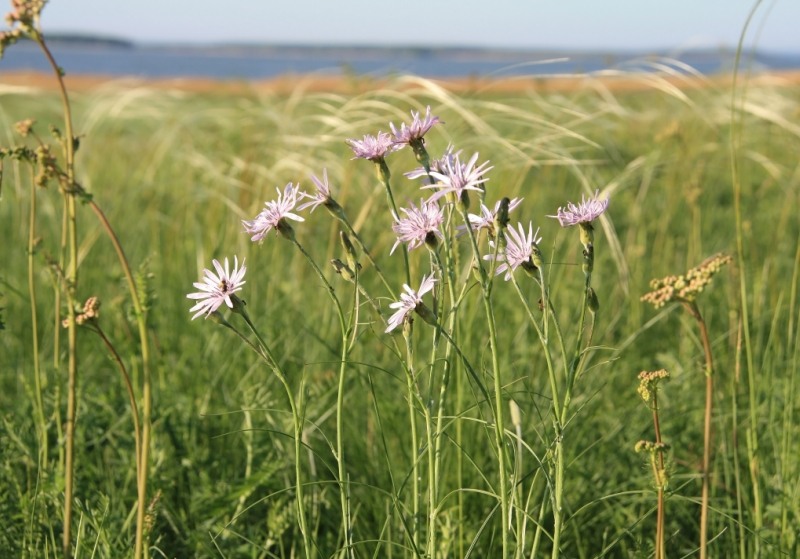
[266, 62]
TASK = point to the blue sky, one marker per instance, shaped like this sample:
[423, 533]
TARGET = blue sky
[601, 24]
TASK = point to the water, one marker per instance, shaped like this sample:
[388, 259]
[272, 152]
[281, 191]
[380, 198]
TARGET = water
[162, 62]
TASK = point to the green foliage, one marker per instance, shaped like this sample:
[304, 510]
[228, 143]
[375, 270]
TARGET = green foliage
[176, 173]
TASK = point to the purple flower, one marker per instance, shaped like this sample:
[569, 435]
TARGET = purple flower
[321, 197]
[217, 288]
[408, 302]
[374, 148]
[275, 213]
[518, 250]
[586, 212]
[437, 165]
[413, 133]
[457, 177]
[487, 217]
[420, 226]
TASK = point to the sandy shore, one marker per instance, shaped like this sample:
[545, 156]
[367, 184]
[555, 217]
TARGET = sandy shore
[30, 81]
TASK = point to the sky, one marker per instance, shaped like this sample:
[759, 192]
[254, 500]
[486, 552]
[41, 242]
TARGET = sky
[561, 24]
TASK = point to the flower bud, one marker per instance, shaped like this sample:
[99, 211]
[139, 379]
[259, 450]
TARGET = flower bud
[536, 257]
[343, 269]
[501, 218]
[349, 250]
[591, 300]
[516, 417]
[426, 314]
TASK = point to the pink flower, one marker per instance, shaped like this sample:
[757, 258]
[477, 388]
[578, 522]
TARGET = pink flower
[517, 252]
[373, 148]
[408, 302]
[586, 212]
[275, 213]
[487, 217]
[413, 133]
[321, 197]
[420, 226]
[217, 288]
[457, 177]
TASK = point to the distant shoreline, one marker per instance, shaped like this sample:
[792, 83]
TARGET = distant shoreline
[79, 40]
[27, 81]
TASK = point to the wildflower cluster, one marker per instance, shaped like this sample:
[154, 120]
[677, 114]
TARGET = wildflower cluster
[648, 383]
[452, 180]
[22, 19]
[90, 311]
[685, 288]
[649, 446]
[438, 220]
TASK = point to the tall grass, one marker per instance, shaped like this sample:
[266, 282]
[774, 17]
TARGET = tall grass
[175, 173]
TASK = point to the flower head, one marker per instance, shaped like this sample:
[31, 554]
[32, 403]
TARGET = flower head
[24, 12]
[217, 288]
[585, 212]
[321, 197]
[518, 250]
[686, 287]
[457, 177]
[414, 133]
[419, 226]
[487, 217]
[373, 148]
[648, 383]
[409, 301]
[275, 214]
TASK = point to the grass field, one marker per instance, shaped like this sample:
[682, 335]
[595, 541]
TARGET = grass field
[176, 172]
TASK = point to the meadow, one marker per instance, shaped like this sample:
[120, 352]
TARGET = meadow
[689, 172]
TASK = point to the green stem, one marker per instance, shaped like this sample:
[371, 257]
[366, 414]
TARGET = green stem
[733, 146]
[354, 234]
[551, 372]
[486, 293]
[297, 422]
[141, 321]
[343, 486]
[659, 471]
[412, 417]
[126, 379]
[72, 286]
[344, 489]
[558, 414]
[447, 364]
[37, 370]
[384, 176]
[706, 472]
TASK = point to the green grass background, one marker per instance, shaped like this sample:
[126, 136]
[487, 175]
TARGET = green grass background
[176, 172]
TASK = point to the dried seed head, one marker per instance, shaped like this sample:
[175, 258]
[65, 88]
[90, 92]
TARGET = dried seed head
[648, 383]
[687, 286]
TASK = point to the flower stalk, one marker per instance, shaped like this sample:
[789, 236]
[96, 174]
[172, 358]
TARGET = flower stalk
[684, 289]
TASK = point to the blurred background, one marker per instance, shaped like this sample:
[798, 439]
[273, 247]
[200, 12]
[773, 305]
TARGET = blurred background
[254, 40]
